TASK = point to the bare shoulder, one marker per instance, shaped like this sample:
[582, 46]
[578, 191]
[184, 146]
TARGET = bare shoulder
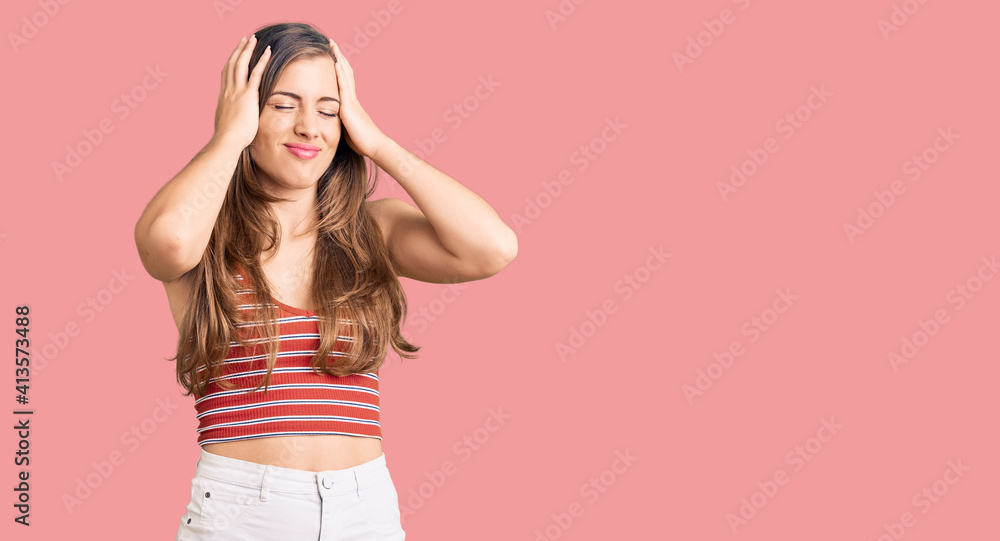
[386, 206]
[179, 295]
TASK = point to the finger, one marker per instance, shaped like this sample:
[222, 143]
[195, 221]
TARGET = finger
[338, 62]
[345, 73]
[258, 70]
[243, 62]
[227, 70]
[342, 60]
[335, 55]
[336, 52]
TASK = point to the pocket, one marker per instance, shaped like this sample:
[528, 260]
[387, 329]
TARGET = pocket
[223, 505]
[190, 520]
[381, 503]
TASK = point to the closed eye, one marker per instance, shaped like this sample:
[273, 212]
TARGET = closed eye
[283, 107]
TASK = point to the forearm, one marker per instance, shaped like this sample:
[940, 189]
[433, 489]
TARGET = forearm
[464, 222]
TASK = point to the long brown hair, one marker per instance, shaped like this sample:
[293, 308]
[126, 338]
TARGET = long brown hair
[355, 283]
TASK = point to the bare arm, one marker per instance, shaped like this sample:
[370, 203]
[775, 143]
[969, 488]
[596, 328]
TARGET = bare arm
[453, 236]
[174, 230]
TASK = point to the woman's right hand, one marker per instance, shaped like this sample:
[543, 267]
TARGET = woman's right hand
[238, 111]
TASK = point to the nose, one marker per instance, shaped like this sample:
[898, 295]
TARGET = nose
[307, 125]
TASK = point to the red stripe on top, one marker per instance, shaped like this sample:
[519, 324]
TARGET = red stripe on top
[298, 400]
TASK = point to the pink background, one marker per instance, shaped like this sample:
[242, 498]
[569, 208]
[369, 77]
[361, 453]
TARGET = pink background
[494, 345]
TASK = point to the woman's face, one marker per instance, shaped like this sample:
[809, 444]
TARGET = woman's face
[304, 110]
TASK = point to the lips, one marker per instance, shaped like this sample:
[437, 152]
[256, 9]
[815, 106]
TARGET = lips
[305, 152]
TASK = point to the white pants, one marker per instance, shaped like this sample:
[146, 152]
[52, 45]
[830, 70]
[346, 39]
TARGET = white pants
[234, 499]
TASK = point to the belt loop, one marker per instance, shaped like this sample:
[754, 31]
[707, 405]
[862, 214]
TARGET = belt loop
[265, 483]
[357, 482]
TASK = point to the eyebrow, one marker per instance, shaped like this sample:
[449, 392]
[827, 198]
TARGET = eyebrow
[296, 96]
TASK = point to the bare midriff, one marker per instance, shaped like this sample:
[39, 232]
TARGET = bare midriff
[310, 453]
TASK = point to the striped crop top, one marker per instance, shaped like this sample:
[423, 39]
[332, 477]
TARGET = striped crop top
[298, 401]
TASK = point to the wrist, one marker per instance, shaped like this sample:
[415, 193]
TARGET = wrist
[226, 144]
[383, 147]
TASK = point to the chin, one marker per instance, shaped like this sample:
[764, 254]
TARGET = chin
[295, 180]
[297, 183]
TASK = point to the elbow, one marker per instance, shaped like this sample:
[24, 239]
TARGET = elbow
[501, 255]
[153, 237]
[163, 251]
[509, 248]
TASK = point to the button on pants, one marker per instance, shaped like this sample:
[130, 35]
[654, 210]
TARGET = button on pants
[234, 499]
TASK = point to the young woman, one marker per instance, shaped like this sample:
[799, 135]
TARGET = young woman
[283, 280]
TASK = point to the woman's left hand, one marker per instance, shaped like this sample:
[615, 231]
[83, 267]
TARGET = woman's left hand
[359, 129]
